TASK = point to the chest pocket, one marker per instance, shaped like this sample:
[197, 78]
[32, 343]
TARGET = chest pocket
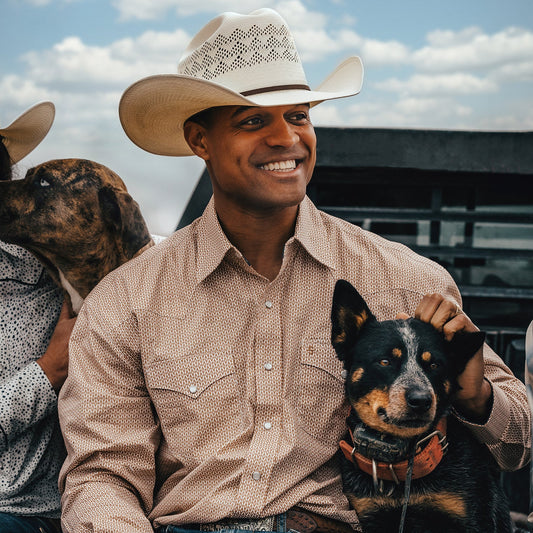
[193, 393]
[320, 399]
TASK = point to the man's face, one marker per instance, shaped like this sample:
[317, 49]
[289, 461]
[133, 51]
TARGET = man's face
[260, 158]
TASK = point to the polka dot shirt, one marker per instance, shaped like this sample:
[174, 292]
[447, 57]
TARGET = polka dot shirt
[31, 446]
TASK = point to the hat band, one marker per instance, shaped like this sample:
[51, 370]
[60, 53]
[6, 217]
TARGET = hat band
[275, 88]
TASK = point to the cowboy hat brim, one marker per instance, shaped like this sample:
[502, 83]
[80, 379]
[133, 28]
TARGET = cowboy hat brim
[27, 131]
[153, 110]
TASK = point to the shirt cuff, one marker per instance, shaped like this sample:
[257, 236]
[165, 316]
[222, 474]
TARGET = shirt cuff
[492, 430]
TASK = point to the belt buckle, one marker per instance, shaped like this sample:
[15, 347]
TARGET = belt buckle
[261, 524]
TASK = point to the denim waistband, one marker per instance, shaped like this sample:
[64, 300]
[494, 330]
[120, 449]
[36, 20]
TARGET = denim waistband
[226, 526]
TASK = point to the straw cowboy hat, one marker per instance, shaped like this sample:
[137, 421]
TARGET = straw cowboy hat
[235, 59]
[28, 130]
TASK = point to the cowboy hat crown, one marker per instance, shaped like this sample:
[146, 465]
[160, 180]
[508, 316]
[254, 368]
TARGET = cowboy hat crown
[235, 59]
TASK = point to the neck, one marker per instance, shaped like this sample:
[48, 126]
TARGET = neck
[260, 237]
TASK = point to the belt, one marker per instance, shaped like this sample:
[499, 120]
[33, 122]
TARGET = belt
[296, 519]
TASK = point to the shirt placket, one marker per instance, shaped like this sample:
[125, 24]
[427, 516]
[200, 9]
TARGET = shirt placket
[268, 372]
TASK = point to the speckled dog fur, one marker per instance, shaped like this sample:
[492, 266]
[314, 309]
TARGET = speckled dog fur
[76, 216]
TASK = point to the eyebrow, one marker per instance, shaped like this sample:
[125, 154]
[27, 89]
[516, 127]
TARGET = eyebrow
[241, 109]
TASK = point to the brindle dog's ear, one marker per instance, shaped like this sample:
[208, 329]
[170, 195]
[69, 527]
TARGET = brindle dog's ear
[122, 213]
[463, 346]
[349, 313]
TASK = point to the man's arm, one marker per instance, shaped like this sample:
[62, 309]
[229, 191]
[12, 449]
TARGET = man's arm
[107, 481]
[491, 401]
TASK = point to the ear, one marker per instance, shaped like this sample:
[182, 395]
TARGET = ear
[349, 314]
[122, 214]
[196, 139]
[463, 346]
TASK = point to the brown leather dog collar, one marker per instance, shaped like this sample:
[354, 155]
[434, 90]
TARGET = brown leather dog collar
[429, 453]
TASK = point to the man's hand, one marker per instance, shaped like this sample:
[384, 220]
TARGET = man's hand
[474, 399]
[54, 362]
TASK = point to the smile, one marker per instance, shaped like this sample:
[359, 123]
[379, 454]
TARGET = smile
[280, 166]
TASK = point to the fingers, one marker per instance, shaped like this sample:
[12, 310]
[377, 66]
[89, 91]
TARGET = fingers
[66, 311]
[443, 314]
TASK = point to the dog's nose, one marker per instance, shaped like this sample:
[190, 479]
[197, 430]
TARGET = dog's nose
[419, 400]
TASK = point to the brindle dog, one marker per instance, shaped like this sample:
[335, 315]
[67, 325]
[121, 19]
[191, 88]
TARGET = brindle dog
[77, 218]
[404, 469]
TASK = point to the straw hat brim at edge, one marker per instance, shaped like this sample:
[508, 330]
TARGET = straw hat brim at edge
[28, 130]
[153, 110]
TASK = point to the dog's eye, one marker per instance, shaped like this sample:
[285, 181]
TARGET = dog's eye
[44, 183]
[434, 366]
[384, 362]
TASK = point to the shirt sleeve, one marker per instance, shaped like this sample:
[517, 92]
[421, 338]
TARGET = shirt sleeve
[27, 398]
[507, 432]
[107, 481]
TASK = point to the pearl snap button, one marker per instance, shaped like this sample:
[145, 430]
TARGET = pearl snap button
[268, 304]
[256, 476]
[193, 389]
[267, 425]
[268, 366]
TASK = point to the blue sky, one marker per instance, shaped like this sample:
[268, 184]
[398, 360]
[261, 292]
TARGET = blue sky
[464, 64]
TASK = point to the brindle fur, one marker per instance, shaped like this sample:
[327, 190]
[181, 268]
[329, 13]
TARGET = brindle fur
[463, 494]
[75, 216]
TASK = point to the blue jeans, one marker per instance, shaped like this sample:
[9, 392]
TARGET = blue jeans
[280, 528]
[25, 524]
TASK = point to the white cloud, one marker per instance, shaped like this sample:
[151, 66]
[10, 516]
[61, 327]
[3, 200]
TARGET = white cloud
[471, 49]
[74, 64]
[150, 10]
[441, 113]
[451, 84]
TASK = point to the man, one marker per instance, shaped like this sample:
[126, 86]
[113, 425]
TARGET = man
[203, 390]
[33, 362]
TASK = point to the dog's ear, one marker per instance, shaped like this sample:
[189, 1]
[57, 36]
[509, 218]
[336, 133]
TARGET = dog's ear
[121, 212]
[463, 346]
[349, 314]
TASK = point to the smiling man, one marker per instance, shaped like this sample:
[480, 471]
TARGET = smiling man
[204, 393]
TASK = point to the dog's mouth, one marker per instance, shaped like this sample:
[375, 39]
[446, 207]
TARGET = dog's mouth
[407, 421]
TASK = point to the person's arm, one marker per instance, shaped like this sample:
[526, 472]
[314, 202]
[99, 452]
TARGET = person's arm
[29, 395]
[54, 361]
[107, 481]
[492, 402]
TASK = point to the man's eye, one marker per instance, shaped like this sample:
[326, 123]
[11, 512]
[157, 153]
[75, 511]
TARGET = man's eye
[300, 117]
[253, 121]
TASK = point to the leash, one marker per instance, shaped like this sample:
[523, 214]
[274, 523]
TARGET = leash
[407, 489]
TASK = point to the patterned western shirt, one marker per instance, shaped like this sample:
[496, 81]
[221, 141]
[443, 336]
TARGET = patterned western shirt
[31, 446]
[199, 390]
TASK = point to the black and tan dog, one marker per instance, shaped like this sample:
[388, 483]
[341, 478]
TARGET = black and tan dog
[77, 218]
[409, 466]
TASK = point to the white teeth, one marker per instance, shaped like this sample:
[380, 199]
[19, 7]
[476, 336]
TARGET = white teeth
[280, 165]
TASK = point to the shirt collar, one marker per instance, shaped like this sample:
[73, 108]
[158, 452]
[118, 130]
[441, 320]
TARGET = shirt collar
[18, 264]
[311, 233]
[213, 245]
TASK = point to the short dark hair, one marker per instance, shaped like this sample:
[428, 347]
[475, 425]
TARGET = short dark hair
[204, 117]
[5, 162]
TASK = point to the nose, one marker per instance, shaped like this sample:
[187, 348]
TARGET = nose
[282, 133]
[419, 400]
